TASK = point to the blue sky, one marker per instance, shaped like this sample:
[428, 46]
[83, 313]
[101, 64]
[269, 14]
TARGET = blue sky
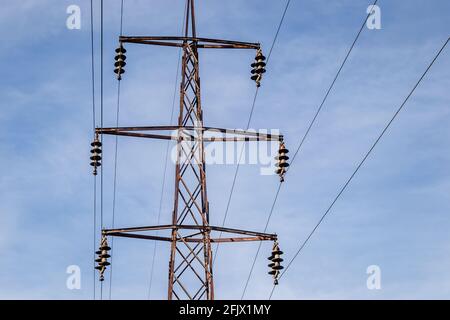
[394, 214]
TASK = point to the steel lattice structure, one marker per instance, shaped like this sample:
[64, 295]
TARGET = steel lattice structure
[189, 233]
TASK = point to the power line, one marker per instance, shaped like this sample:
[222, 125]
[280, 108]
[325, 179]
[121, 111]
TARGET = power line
[114, 189]
[332, 85]
[166, 161]
[308, 131]
[115, 163]
[163, 182]
[93, 125]
[248, 126]
[361, 163]
[260, 244]
[101, 123]
[278, 29]
[92, 65]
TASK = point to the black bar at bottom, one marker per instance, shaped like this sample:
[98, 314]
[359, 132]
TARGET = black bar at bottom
[228, 309]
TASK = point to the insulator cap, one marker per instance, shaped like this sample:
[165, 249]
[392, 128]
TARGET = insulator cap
[120, 63]
[258, 70]
[120, 57]
[119, 71]
[278, 267]
[282, 157]
[121, 49]
[258, 63]
[260, 57]
[96, 143]
[96, 157]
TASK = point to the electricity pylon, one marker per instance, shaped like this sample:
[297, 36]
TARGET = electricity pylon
[190, 234]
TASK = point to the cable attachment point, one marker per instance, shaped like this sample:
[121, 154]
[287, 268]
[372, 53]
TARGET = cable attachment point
[258, 67]
[96, 152]
[282, 159]
[103, 256]
[275, 265]
[120, 61]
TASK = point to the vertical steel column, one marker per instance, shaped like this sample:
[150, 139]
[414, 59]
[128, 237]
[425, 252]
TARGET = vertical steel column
[190, 266]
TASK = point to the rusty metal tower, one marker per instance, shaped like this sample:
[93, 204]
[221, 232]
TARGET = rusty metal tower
[189, 232]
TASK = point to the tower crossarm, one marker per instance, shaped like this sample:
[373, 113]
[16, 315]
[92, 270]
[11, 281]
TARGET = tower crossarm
[203, 43]
[236, 235]
[190, 133]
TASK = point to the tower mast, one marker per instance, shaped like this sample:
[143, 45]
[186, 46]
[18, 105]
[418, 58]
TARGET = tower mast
[189, 232]
[190, 200]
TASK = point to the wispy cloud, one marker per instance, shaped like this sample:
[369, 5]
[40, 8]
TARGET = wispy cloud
[393, 214]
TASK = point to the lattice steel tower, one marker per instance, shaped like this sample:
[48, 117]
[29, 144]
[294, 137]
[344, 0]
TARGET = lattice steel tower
[189, 233]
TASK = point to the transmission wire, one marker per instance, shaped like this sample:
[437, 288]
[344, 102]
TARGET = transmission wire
[93, 125]
[101, 124]
[165, 162]
[344, 187]
[115, 163]
[247, 127]
[306, 135]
